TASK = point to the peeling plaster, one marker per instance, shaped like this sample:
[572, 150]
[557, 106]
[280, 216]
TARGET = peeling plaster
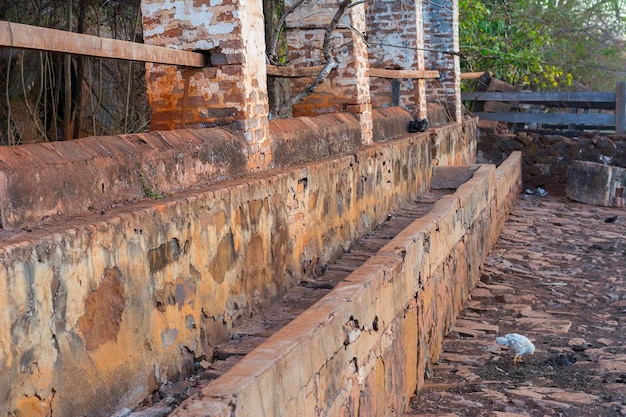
[221, 28]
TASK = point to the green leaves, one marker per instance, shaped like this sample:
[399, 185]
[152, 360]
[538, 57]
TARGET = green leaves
[536, 43]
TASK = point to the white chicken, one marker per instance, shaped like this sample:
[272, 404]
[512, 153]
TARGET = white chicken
[520, 344]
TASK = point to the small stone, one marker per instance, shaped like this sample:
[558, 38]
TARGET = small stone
[578, 344]
[573, 397]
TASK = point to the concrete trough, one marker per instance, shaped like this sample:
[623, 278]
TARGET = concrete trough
[366, 344]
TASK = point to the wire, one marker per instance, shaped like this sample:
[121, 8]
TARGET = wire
[468, 55]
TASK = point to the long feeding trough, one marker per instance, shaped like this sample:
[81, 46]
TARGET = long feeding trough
[362, 333]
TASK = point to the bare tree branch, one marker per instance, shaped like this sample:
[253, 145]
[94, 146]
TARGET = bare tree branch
[271, 54]
[330, 62]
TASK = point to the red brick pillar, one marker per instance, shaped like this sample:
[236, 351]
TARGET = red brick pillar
[232, 87]
[347, 86]
[419, 95]
[441, 41]
[395, 35]
[363, 107]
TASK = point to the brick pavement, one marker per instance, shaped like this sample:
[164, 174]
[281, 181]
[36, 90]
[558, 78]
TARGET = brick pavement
[557, 274]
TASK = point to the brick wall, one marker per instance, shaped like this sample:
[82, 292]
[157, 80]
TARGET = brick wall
[305, 37]
[396, 42]
[232, 89]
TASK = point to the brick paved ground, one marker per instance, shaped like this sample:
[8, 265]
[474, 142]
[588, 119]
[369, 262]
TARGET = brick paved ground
[557, 275]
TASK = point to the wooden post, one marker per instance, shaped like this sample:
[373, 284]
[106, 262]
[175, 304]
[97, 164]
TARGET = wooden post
[395, 92]
[620, 108]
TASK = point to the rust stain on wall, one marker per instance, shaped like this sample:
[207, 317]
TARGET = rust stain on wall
[160, 257]
[224, 258]
[103, 311]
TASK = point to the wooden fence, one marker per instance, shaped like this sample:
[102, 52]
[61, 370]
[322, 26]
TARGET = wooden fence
[557, 110]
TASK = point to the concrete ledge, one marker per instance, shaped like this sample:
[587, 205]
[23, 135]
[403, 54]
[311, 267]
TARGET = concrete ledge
[366, 344]
[41, 183]
[305, 139]
[451, 177]
[59, 180]
[390, 122]
[597, 184]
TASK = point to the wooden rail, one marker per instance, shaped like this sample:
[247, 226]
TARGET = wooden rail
[472, 75]
[295, 72]
[385, 73]
[16, 35]
[496, 100]
[549, 99]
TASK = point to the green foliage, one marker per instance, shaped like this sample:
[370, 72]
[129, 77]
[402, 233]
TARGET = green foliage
[544, 44]
[148, 191]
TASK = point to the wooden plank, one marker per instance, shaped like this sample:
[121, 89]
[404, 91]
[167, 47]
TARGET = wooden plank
[620, 108]
[472, 75]
[499, 85]
[554, 118]
[293, 72]
[17, 35]
[385, 73]
[497, 107]
[551, 99]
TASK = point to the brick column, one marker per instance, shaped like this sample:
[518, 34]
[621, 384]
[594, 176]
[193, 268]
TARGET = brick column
[346, 88]
[232, 87]
[363, 107]
[441, 41]
[420, 84]
[397, 42]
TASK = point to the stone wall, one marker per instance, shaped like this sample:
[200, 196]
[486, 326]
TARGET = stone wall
[101, 308]
[548, 157]
[96, 174]
[364, 348]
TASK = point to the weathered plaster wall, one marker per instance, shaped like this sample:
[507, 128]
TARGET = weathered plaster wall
[455, 144]
[100, 309]
[232, 88]
[363, 349]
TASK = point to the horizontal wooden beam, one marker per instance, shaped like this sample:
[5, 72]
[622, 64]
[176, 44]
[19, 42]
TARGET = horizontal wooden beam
[293, 72]
[541, 97]
[472, 75]
[553, 118]
[17, 35]
[385, 73]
